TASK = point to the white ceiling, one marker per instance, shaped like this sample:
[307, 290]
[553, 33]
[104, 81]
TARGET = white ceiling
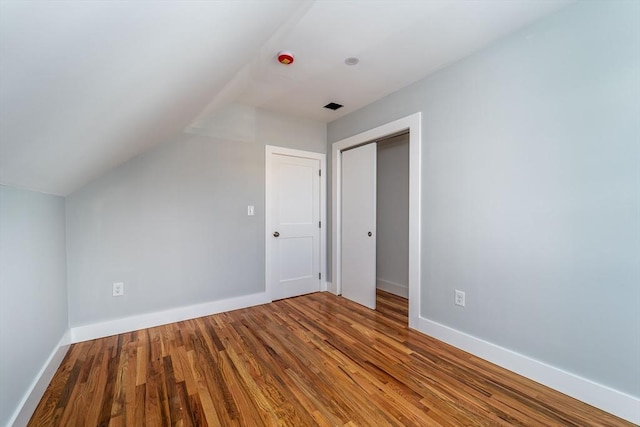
[85, 86]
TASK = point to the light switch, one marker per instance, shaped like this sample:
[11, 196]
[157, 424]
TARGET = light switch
[250, 210]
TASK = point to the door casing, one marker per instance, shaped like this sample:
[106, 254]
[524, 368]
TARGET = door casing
[411, 123]
[270, 151]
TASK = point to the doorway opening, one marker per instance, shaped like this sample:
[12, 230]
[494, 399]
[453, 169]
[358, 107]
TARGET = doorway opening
[392, 215]
[411, 125]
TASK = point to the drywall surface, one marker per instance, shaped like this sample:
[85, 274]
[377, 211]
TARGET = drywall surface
[238, 122]
[531, 190]
[392, 219]
[172, 224]
[87, 85]
[33, 289]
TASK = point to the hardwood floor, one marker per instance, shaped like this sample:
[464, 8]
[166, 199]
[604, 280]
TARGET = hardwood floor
[311, 360]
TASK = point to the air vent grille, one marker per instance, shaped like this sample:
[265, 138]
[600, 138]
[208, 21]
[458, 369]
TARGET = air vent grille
[333, 106]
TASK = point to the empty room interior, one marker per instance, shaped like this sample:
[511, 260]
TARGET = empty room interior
[319, 212]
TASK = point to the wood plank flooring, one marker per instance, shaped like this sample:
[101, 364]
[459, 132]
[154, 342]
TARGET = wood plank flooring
[314, 360]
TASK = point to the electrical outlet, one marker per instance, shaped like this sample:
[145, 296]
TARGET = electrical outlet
[459, 298]
[118, 289]
[250, 210]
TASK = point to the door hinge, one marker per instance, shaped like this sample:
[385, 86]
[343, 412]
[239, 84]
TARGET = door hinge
[319, 276]
[319, 224]
[319, 172]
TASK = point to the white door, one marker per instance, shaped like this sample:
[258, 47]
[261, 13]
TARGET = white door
[359, 225]
[295, 226]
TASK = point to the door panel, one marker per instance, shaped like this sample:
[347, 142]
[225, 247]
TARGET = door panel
[295, 252]
[299, 262]
[296, 183]
[358, 225]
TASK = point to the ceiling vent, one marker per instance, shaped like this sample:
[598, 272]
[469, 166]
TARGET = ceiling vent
[333, 106]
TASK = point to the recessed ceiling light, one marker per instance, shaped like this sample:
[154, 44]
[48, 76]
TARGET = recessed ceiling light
[333, 106]
[352, 60]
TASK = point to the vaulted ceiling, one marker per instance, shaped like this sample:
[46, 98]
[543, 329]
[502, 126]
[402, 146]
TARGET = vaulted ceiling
[87, 85]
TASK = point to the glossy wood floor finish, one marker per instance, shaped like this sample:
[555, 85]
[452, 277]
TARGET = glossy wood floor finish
[311, 360]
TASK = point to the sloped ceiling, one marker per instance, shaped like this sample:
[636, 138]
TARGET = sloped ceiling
[87, 85]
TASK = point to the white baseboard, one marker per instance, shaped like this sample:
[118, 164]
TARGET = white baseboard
[149, 320]
[393, 288]
[29, 402]
[598, 395]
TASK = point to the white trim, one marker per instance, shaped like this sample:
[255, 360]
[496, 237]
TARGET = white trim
[31, 398]
[393, 288]
[598, 395]
[413, 123]
[149, 320]
[269, 151]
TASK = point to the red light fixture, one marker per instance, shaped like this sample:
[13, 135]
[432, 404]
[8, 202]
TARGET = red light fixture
[285, 58]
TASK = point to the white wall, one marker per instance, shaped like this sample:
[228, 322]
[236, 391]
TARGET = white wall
[531, 191]
[392, 219]
[33, 290]
[172, 223]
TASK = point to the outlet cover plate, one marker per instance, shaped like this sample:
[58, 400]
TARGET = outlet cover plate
[118, 289]
[459, 298]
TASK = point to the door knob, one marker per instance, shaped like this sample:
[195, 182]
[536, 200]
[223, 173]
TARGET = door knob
[369, 234]
[276, 234]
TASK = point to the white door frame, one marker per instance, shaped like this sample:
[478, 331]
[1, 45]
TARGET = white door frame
[270, 151]
[413, 124]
